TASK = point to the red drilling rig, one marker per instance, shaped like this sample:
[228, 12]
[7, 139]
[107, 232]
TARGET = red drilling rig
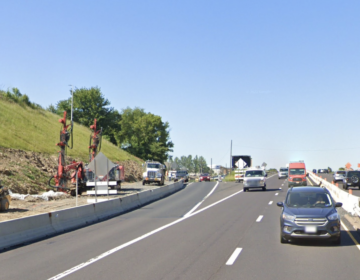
[95, 141]
[117, 173]
[63, 173]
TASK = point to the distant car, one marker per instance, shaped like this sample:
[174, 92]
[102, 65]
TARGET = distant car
[351, 179]
[283, 172]
[255, 178]
[323, 171]
[204, 177]
[338, 175]
[314, 171]
[309, 213]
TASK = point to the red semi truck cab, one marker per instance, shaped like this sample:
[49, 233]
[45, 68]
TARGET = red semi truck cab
[297, 174]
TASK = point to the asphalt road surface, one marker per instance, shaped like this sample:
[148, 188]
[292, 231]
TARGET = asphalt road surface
[205, 231]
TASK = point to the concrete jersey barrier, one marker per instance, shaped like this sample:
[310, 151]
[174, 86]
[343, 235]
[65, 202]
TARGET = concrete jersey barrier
[29, 229]
[350, 202]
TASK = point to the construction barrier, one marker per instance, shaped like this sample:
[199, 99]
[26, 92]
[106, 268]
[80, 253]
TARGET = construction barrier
[350, 202]
[29, 229]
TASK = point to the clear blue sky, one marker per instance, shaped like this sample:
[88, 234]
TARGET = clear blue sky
[279, 78]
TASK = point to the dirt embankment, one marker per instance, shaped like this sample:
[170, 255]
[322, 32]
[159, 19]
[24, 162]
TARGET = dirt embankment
[27, 172]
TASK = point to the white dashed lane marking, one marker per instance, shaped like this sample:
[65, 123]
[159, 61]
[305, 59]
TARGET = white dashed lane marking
[234, 256]
[259, 218]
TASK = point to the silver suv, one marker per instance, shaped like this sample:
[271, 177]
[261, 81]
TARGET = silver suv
[338, 175]
[283, 172]
[255, 178]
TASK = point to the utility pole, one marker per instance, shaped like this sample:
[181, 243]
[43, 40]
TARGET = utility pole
[72, 102]
[211, 167]
[231, 155]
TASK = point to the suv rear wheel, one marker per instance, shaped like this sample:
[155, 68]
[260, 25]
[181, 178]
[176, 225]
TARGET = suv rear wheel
[354, 179]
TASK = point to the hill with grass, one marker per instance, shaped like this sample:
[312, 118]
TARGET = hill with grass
[38, 130]
[28, 132]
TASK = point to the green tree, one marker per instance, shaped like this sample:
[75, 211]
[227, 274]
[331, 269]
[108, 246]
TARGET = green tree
[189, 164]
[90, 104]
[196, 164]
[342, 168]
[144, 135]
[177, 163]
[203, 165]
[52, 109]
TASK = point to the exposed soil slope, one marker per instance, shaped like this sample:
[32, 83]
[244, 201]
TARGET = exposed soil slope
[28, 172]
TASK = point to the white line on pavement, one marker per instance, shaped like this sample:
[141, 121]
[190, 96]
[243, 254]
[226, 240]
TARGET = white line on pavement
[259, 218]
[234, 256]
[277, 193]
[279, 188]
[309, 181]
[197, 205]
[351, 236]
[114, 250]
[270, 202]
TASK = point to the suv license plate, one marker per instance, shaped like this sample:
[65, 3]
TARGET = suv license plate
[310, 229]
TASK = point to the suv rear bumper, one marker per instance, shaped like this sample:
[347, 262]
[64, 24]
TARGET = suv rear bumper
[302, 183]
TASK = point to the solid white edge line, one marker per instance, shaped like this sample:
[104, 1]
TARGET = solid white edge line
[259, 218]
[197, 205]
[351, 236]
[271, 202]
[234, 256]
[103, 255]
[193, 209]
[309, 181]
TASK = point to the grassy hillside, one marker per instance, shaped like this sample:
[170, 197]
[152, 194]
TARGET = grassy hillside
[39, 131]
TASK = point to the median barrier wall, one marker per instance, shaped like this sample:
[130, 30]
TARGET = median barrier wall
[350, 202]
[25, 229]
[20, 231]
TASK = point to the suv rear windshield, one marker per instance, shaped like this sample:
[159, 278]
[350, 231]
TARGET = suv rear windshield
[340, 172]
[205, 174]
[308, 200]
[352, 173]
[283, 170]
[254, 173]
[297, 171]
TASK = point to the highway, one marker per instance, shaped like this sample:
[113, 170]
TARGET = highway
[329, 178]
[205, 231]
